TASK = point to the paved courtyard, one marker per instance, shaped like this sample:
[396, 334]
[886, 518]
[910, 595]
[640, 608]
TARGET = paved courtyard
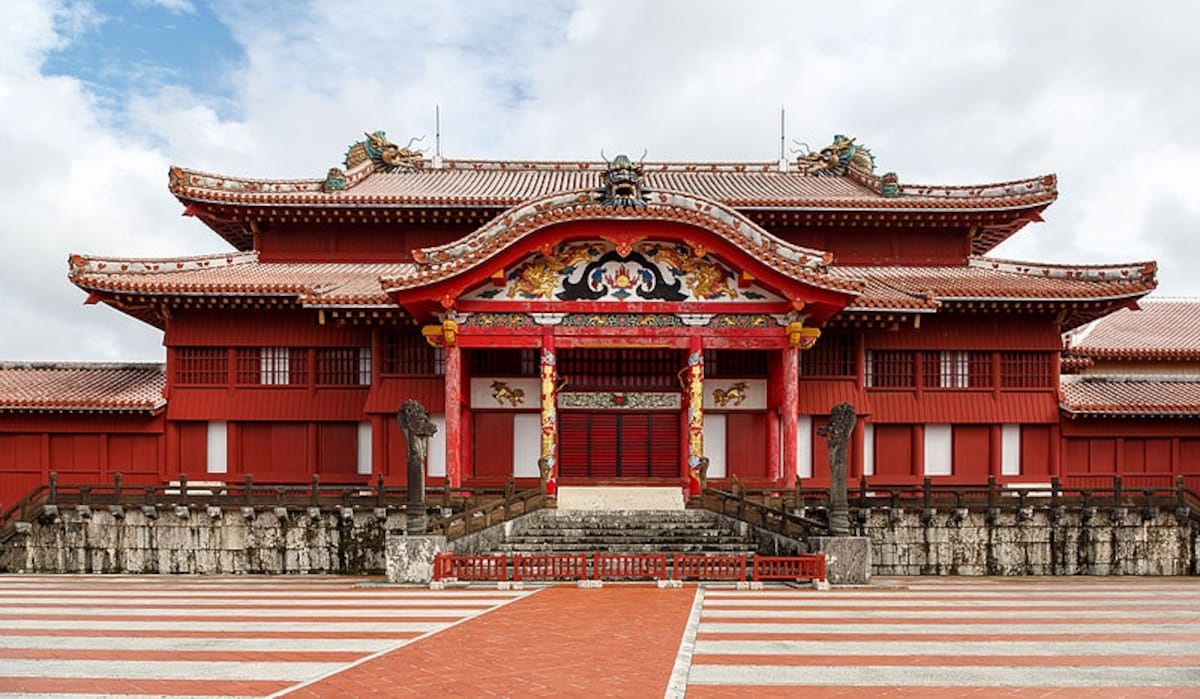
[79, 636]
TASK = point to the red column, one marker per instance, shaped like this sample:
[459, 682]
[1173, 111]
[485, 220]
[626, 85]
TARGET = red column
[774, 468]
[788, 411]
[549, 396]
[453, 416]
[995, 451]
[695, 402]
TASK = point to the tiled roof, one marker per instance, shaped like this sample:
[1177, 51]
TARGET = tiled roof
[1146, 396]
[1163, 329]
[81, 387]
[502, 184]
[320, 284]
[240, 274]
[444, 261]
[987, 279]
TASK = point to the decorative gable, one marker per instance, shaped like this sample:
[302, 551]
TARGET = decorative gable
[643, 271]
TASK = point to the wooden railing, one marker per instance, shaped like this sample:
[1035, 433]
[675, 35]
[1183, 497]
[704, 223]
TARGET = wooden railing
[470, 567]
[184, 492]
[566, 566]
[764, 509]
[789, 567]
[489, 514]
[1149, 492]
[698, 566]
[628, 566]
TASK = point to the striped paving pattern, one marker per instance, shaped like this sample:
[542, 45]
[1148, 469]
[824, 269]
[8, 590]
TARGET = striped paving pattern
[952, 636]
[83, 636]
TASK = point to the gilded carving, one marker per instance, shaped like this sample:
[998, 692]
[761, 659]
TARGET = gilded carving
[537, 279]
[503, 393]
[735, 394]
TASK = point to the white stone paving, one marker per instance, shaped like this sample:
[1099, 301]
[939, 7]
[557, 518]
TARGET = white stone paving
[944, 676]
[967, 632]
[46, 620]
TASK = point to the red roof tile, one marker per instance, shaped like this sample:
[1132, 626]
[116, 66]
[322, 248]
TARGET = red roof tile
[239, 274]
[79, 387]
[987, 279]
[1146, 396]
[472, 250]
[333, 285]
[1163, 329]
[502, 184]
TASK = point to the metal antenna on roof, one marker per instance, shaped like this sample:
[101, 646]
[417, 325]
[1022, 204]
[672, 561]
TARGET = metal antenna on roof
[783, 163]
[437, 125]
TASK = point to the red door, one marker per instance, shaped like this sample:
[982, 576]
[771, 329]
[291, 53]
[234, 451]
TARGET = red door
[615, 444]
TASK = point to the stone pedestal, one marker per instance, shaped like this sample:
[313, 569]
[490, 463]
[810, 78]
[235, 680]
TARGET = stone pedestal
[410, 558]
[847, 558]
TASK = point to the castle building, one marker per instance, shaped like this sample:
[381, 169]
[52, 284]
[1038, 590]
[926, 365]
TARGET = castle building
[603, 322]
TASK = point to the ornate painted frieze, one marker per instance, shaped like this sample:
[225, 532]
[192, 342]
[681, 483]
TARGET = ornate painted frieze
[730, 320]
[608, 400]
[622, 320]
[500, 320]
[642, 271]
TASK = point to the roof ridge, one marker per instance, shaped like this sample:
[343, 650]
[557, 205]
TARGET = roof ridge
[16, 364]
[84, 264]
[1140, 271]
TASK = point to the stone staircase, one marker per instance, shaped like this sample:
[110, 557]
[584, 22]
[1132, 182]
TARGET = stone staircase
[624, 531]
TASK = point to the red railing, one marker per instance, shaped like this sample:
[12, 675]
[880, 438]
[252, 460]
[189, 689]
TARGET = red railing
[789, 567]
[629, 565]
[550, 567]
[705, 567]
[447, 565]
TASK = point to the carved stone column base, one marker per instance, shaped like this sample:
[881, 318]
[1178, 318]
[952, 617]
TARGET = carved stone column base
[847, 558]
[409, 559]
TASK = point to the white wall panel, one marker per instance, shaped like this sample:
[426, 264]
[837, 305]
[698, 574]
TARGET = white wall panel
[527, 444]
[939, 450]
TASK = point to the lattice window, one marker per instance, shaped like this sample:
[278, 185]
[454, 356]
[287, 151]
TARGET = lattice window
[735, 364]
[832, 356]
[201, 365]
[891, 369]
[614, 369]
[1026, 369]
[957, 369]
[344, 366]
[505, 362]
[272, 366]
[406, 352]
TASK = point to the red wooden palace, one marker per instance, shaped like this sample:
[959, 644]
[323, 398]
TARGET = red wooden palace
[617, 321]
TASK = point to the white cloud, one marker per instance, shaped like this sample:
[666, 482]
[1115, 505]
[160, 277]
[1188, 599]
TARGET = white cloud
[942, 92]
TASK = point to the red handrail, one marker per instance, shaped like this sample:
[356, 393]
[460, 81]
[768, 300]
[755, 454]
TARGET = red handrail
[550, 566]
[789, 567]
[629, 565]
[709, 567]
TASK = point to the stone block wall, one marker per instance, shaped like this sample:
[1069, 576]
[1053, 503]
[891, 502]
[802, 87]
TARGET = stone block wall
[1118, 541]
[203, 541]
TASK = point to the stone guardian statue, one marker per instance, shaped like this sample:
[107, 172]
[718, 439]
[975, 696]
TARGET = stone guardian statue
[837, 434]
[417, 428]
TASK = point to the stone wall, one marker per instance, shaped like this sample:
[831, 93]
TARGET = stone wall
[202, 540]
[1041, 541]
[1034, 541]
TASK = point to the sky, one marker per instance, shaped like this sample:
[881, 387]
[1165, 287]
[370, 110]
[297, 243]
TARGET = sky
[98, 99]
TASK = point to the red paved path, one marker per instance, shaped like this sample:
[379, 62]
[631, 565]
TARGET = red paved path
[619, 641]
